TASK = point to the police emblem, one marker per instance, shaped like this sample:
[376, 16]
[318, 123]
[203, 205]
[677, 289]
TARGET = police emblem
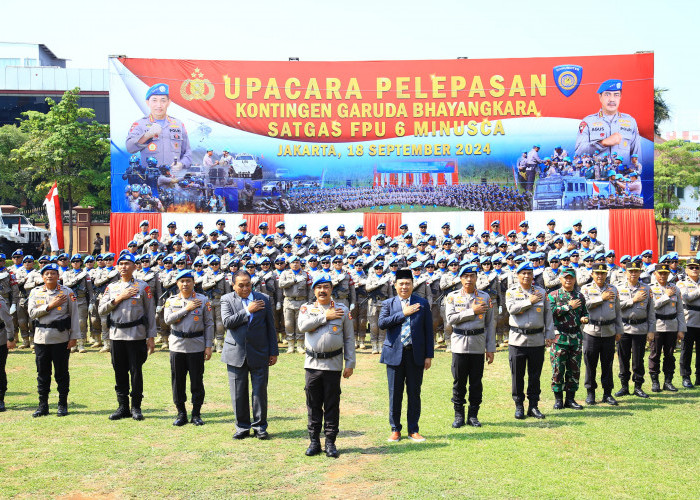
[197, 88]
[567, 77]
[152, 146]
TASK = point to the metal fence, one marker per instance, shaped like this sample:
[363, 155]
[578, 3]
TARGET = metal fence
[687, 214]
[39, 216]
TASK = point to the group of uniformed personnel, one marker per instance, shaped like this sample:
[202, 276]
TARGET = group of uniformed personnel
[546, 289]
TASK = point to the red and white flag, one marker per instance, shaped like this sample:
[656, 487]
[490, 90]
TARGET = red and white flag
[596, 189]
[53, 210]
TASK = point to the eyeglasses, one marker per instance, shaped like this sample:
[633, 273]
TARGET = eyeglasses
[693, 268]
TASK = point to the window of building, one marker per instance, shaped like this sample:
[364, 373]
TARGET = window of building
[680, 192]
[671, 244]
[9, 61]
[30, 62]
[694, 243]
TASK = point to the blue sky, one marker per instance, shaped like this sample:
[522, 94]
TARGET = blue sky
[86, 32]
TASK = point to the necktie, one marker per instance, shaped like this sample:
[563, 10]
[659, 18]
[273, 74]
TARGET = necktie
[246, 303]
[406, 327]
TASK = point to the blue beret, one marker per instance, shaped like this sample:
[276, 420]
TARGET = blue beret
[525, 266]
[280, 224]
[379, 263]
[315, 245]
[416, 265]
[599, 256]
[646, 253]
[360, 228]
[76, 257]
[158, 89]
[610, 85]
[610, 253]
[168, 259]
[453, 260]
[485, 233]
[293, 258]
[496, 258]
[381, 225]
[423, 223]
[496, 222]
[470, 226]
[470, 268]
[593, 228]
[541, 234]
[49, 267]
[321, 278]
[45, 258]
[337, 258]
[29, 258]
[551, 221]
[326, 234]
[214, 260]
[185, 273]
[484, 259]
[568, 229]
[126, 256]
[17, 253]
[555, 256]
[199, 261]
[429, 262]
[325, 258]
[446, 224]
[664, 258]
[520, 258]
[577, 222]
[524, 223]
[532, 241]
[88, 258]
[180, 258]
[108, 255]
[512, 232]
[53, 258]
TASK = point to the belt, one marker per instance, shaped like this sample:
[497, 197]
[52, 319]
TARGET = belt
[665, 316]
[605, 322]
[569, 330]
[187, 335]
[323, 355]
[468, 333]
[532, 331]
[409, 347]
[128, 324]
[692, 308]
[59, 324]
[634, 321]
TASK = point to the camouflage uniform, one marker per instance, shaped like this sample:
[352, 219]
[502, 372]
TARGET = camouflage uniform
[565, 354]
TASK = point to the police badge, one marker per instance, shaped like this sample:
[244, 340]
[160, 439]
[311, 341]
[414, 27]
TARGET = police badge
[567, 78]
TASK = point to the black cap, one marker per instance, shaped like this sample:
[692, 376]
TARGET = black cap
[693, 261]
[404, 274]
[600, 268]
[662, 268]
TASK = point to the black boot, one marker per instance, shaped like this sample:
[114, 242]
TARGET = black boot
[519, 411]
[590, 397]
[639, 392]
[331, 450]
[608, 399]
[624, 391]
[655, 386]
[668, 386]
[123, 409]
[196, 416]
[534, 411]
[686, 383]
[62, 406]
[2, 402]
[459, 416]
[571, 402]
[558, 401]
[472, 418]
[181, 418]
[43, 408]
[136, 409]
[314, 445]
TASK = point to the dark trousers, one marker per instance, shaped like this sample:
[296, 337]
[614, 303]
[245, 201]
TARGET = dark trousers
[522, 359]
[692, 336]
[631, 347]
[238, 386]
[467, 367]
[128, 357]
[407, 373]
[602, 348]
[46, 355]
[530, 172]
[182, 363]
[663, 342]
[3, 374]
[323, 401]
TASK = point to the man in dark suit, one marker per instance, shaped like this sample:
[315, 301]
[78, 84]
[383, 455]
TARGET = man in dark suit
[407, 351]
[250, 348]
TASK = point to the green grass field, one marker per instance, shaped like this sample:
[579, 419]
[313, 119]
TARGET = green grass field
[640, 449]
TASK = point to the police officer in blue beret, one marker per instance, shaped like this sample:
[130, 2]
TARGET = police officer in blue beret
[609, 130]
[159, 135]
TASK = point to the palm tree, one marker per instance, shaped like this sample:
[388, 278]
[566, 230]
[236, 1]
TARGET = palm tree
[661, 111]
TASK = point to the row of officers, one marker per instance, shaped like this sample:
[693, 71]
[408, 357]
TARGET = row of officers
[590, 321]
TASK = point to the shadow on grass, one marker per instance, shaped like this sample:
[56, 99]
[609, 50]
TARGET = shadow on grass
[533, 422]
[404, 446]
[470, 434]
[10, 394]
[597, 413]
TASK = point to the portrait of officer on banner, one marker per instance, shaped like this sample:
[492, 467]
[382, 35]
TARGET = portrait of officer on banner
[608, 131]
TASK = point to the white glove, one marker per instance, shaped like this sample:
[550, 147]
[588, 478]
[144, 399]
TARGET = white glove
[13, 308]
[153, 131]
[352, 307]
[279, 306]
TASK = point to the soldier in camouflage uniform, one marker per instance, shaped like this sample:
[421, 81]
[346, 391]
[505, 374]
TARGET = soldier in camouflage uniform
[568, 312]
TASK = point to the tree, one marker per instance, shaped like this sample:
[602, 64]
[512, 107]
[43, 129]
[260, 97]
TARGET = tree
[11, 137]
[65, 145]
[677, 165]
[661, 111]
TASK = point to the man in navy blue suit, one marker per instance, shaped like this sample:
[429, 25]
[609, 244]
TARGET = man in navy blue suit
[250, 348]
[407, 351]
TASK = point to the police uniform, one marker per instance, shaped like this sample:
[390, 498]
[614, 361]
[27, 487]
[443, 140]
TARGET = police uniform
[379, 289]
[327, 344]
[449, 282]
[192, 331]
[530, 325]
[472, 336]
[7, 334]
[343, 288]
[80, 282]
[360, 313]
[670, 321]
[25, 277]
[93, 316]
[215, 287]
[296, 288]
[131, 322]
[170, 143]
[690, 291]
[604, 324]
[168, 287]
[101, 282]
[53, 329]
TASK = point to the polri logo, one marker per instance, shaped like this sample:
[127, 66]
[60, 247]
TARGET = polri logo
[568, 78]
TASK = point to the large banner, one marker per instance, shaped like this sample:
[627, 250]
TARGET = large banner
[316, 137]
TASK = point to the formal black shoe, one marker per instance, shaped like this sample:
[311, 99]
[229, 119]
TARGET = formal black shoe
[533, 411]
[242, 434]
[570, 402]
[62, 410]
[519, 412]
[136, 413]
[260, 434]
[624, 391]
[686, 383]
[640, 393]
[668, 386]
[41, 411]
[608, 399]
[655, 386]
[590, 398]
[180, 420]
[314, 447]
[558, 402]
[473, 421]
[197, 420]
[472, 416]
[459, 418]
[121, 412]
[2, 406]
[331, 450]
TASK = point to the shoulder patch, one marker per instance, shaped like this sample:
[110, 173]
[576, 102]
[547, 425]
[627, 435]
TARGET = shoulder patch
[582, 126]
[73, 297]
[208, 306]
[149, 294]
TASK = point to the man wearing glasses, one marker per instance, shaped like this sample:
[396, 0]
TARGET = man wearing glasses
[690, 291]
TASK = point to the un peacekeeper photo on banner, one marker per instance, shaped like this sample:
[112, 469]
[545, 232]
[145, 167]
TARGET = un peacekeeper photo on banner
[159, 135]
[609, 131]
